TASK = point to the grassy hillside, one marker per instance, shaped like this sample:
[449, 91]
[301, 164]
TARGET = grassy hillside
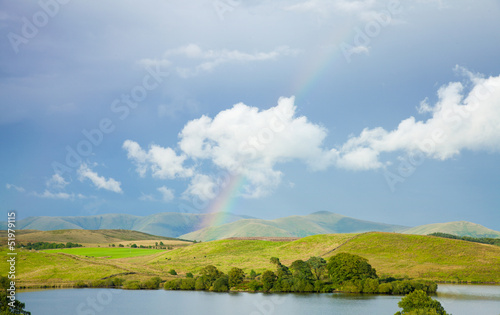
[323, 222]
[398, 255]
[91, 237]
[460, 228]
[427, 257]
[247, 254]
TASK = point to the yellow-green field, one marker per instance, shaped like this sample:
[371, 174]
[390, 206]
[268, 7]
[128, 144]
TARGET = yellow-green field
[398, 255]
[108, 253]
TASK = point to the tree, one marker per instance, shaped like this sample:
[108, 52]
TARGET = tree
[281, 270]
[253, 274]
[317, 265]
[344, 267]
[220, 284]
[418, 302]
[268, 279]
[152, 283]
[236, 276]
[301, 270]
[189, 275]
[211, 273]
[172, 272]
[15, 307]
[200, 284]
[7, 306]
[275, 261]
[187, 284]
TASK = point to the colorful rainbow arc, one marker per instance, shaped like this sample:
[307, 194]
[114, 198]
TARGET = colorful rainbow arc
[220, 208]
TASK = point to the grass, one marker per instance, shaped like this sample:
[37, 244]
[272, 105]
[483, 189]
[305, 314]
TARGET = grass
[398, 255]
[427, 257]
[247, 254]
[47, 268]
[109, 253]
[91, 237]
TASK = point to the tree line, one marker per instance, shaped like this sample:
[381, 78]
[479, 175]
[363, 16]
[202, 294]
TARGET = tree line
[482, 240]
[343, 272]
[47, 245]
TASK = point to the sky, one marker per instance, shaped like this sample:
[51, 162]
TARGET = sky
[379, 110]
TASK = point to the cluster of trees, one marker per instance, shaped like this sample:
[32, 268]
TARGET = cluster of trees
[419, 303]
[7, 306]
[150, 284]
[210, 279]
[482, 240]
[107, 283]
[47, 245]
[156, 246]
[343, 272]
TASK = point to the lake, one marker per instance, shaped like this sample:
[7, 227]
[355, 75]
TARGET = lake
[456, 299]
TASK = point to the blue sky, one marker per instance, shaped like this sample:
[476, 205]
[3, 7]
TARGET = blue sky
[378, 110]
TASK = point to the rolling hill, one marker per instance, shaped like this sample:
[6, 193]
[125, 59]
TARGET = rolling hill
[188, 225]
[459, 228]
[83, 236]
[169, 224]
[391, 254]
[322, 222]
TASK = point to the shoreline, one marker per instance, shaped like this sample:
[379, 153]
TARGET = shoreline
[57, 286]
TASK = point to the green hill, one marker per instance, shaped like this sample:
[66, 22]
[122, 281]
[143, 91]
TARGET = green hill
[323, 222]
[459, 228]
[397, 255]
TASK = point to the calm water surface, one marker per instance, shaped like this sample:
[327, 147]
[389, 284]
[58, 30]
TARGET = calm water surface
[456, 299]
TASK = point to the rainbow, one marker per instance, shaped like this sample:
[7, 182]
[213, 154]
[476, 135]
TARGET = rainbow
[220, 208]
[322, 60]
[222, 205]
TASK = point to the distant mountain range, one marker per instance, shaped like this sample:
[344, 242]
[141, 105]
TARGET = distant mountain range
[189, 225]
[322, 222]
[169, 224]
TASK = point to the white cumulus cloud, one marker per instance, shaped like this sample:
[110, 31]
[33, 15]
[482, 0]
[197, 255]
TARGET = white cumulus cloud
[201, 186]
[462, 119]
[163, 162]
[84, 172]
[251, 142]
